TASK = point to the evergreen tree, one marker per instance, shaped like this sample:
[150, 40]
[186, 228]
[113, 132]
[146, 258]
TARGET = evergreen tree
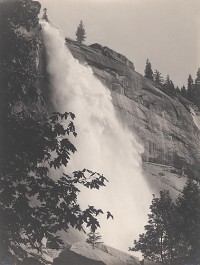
[173, 228]
[197, 80]
[178, 90]
[158, 78]
[45, 17]
[148, 73]
[80, 33]
[197, 89]
[168, 85]
[93, 238]
[183, 92]
[157, 243]
[188, 220]
[190, 91]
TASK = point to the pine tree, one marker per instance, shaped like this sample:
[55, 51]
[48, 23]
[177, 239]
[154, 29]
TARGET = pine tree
[173, 228]
[158, 78]
[93, 238]
[197, 80]
[157, 243]
[45, 17]
[183, 92]
[168, 85]
[148, 73]
[197, 89]
[188, 221]
[80, 33]
[190, 87]
[178, 90]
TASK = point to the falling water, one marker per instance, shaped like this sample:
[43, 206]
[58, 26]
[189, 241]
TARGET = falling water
[104, 144]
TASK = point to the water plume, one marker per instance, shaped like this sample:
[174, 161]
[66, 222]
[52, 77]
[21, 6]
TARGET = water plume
[104, 145]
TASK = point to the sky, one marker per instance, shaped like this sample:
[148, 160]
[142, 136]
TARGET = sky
[167, 32]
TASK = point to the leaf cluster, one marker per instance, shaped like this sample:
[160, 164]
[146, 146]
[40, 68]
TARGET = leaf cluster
[33, 204]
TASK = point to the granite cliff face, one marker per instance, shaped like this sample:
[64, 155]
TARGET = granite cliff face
[167, 126]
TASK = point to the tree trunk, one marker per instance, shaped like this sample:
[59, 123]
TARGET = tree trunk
[161, 249]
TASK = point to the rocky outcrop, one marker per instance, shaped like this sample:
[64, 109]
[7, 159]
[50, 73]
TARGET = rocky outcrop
[164, 124]
[83, 254]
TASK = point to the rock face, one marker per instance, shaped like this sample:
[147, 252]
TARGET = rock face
[165, 125]
[83, 254]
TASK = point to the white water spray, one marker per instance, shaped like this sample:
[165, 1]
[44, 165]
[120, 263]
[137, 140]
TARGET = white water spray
[103, 144]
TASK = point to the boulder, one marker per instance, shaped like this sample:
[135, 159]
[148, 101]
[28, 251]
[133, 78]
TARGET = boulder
[82, 253]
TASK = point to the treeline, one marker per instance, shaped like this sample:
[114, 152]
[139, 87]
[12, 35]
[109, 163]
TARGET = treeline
[172, 235]
[191, 92]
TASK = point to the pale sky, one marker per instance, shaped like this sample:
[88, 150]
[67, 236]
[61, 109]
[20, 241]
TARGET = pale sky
[165, 31]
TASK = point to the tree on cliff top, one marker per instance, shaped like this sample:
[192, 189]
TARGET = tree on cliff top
[80, 33]
[190, 88]
[158, 78]
[148, 73]
[168, 86]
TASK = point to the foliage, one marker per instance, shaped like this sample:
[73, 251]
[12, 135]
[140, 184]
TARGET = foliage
[33, 204]
[183, 92]
[193, 90]
[178, 89]
[34, 201]
[45, 17]
[148, 71]
[196, 90]
[173, 228]
[168, 85]
[158, 78]
[18, 62]
[197, 80]
[190, 87]
[80, 33]
[157, 242]
[93, 238]
[188, 220]
[192, 93]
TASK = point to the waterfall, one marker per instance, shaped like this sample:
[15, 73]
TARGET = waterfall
[104, 145]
